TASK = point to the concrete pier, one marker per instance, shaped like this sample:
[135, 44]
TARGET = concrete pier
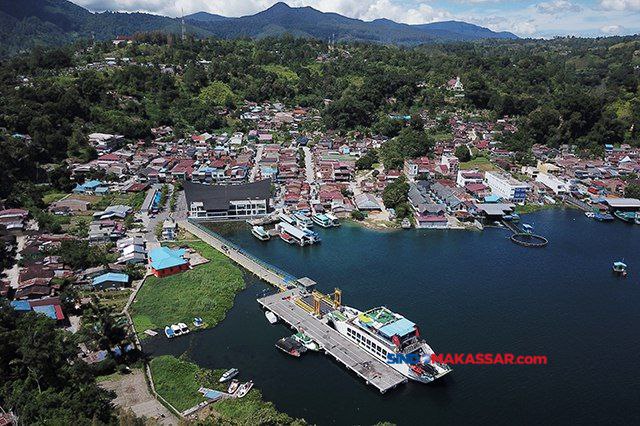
[356, 359]
[283, 305]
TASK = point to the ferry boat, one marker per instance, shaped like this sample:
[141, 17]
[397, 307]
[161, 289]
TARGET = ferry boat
[302, 221]
[629, 217]
[381, 332]
[286, 218]
[322, 220]
[260, 233]
[334, 220]
[292, 234]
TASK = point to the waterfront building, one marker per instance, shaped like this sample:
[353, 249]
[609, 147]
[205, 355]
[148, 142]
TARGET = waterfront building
[165, 261]
[555, 184]
[228, 202]
[506, 187]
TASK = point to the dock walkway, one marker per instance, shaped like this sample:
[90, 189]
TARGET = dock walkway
[262, 270]
[373, 371]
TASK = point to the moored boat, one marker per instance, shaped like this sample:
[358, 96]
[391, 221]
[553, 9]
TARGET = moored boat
[260, 233]
[406, 223]
[590, 215]
[168, 331]
[244, 389]
[290, 346]
[233, 386]
[271, 317]
[322, 220]
[302, 221]
[628, 217]
[229, 374]
[183, 328]
[603, 217]
[334, 220]
[307, 341]
[386, 336]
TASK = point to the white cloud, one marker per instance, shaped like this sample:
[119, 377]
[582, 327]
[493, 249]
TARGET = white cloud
[557, 6]
[612, 29]
[621, 5]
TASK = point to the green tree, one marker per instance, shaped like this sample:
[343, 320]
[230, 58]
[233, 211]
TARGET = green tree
[395, 193]
[632, 191]
[463, 154]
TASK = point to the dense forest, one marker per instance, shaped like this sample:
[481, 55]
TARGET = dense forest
[564, 91]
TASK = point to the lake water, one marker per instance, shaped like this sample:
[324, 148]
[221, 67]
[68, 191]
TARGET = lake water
[468, 292]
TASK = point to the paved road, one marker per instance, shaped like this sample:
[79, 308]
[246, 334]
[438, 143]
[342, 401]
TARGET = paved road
[308, 163]
[256, 166]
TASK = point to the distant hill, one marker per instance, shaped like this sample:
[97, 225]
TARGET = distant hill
[281, 18]
[27, 23]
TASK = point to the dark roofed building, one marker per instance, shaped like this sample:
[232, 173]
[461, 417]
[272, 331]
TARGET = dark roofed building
[229, 202]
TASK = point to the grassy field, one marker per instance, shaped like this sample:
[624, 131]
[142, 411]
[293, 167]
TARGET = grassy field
[52, 196]
[206, 291]
[114, 298]
[175, 380]
[178, 381]
[480, 163]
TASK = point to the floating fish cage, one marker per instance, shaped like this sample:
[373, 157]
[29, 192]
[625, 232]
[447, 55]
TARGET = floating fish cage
[529, 240]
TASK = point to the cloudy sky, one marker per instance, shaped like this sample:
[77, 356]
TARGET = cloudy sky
[526, 18]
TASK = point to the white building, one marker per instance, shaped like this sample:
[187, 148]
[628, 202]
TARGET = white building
[466, 177]
[557, 185]
[506, 187]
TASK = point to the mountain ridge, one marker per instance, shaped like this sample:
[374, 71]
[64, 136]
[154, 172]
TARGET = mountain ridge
[28, 23]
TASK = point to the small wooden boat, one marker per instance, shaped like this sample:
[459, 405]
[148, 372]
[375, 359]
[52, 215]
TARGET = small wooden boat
[229, 374]
[233, 386]
[244, 389]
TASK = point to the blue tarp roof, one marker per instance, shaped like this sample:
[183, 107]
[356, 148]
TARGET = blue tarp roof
[164, 257]
[402, 327]
[21, 305]
[111, 276]
[48, 310]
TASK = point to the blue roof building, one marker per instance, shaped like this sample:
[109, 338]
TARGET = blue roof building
[110, 280]
[165, 261]
[88, 187]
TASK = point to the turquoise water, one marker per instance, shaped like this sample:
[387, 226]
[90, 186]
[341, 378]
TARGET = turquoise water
[468, 292]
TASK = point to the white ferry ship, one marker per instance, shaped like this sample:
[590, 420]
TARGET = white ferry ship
[380, 332]
[260, 233]
[326, 220]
